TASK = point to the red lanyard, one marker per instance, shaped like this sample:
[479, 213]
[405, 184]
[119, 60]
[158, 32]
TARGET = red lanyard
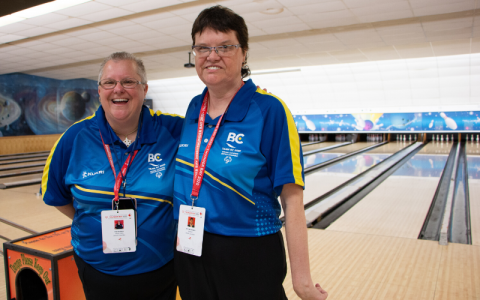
[199, 168]
[123, 171]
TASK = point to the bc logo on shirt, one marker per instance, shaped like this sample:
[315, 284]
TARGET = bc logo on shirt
[237, 138]
[154, 157]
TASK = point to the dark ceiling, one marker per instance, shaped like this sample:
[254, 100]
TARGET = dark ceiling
[8, 7]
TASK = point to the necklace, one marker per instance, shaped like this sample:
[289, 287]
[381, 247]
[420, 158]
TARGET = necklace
[127, 141]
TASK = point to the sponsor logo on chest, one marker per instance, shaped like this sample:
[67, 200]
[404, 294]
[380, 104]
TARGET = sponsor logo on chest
[86, 174]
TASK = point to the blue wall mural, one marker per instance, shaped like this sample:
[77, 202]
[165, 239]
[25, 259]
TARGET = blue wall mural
[390, 122]
[38, 105]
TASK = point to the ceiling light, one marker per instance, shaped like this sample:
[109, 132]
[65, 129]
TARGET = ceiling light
[9, 19]
[272, 11]
[276, 71]
[39, 10]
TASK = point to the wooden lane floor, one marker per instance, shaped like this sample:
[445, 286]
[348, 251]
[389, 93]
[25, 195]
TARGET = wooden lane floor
[18, 172]
[320, 182]
[316, 158]
[473, 165]
[399, 205]
[391, 147]
[21, 178]
[18, 161]
[25, 154]
[373, 267]
[23, 157]
[350, 148]
[23, 206]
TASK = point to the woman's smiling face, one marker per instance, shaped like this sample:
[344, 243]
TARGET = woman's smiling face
[122, 105]
[215, 70]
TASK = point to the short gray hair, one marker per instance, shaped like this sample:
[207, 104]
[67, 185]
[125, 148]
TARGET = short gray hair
[125, 56]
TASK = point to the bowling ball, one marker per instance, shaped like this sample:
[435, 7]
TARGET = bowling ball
[72, 105]
[368, 125]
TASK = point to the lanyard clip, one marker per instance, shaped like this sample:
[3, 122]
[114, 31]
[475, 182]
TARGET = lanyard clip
[193, 200]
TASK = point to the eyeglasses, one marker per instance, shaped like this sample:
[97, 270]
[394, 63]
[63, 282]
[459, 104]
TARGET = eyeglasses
[225, 50]
[127, 83]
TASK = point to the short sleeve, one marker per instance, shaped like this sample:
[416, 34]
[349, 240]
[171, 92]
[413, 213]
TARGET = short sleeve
[281, 144]
[54, 190]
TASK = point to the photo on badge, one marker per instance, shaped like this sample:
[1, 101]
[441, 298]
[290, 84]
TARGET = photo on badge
[191, 222]
[119, 224]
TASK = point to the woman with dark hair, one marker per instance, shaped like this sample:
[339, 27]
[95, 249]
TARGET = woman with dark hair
[238, 152]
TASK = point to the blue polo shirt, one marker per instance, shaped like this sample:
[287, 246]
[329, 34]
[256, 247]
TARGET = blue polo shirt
[256, 151]
[78, 170]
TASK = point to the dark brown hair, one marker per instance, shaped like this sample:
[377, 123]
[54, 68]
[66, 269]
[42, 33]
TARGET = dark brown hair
[223, 19]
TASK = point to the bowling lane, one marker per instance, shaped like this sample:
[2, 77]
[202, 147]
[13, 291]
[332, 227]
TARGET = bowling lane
[21, 178]
[350, 148]
[473, 169]
[4, 164]
[399, 205]
[23, 165]
[326, 179]
[319, 146]
[15, 157]
[2, 173]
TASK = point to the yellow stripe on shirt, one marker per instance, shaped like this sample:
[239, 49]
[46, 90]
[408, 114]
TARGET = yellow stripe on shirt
[127, 195]
[294, 141]
[217, 180]
[158, 113]
[49, 159]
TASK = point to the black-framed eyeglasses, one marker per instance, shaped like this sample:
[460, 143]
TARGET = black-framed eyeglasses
[224, 50]
[127, 83]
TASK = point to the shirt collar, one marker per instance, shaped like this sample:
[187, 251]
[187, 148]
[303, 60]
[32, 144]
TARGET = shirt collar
[238, 108]
[144, 136]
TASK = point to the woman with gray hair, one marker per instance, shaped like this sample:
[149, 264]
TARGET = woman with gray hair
[112, 173]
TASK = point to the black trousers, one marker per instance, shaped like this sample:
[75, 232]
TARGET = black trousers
[233, 268]
[155, 285]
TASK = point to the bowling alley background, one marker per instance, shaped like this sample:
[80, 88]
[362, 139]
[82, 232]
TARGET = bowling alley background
[34, 105]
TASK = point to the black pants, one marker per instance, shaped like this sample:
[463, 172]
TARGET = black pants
[230, 268]
[155, 285]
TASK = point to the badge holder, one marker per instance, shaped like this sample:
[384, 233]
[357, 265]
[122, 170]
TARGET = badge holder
[191, 222]
[119, 226]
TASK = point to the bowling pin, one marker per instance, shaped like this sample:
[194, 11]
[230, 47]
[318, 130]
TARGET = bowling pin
[471, 139]
[438, 138]
[309, 123]
[446, 138]
[441, 138]
[477, 139]
[409, 137]
[404, 138]
[452, 137]
[449, 121]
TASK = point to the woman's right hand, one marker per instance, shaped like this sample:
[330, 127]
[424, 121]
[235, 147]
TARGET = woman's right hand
[313, 293]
